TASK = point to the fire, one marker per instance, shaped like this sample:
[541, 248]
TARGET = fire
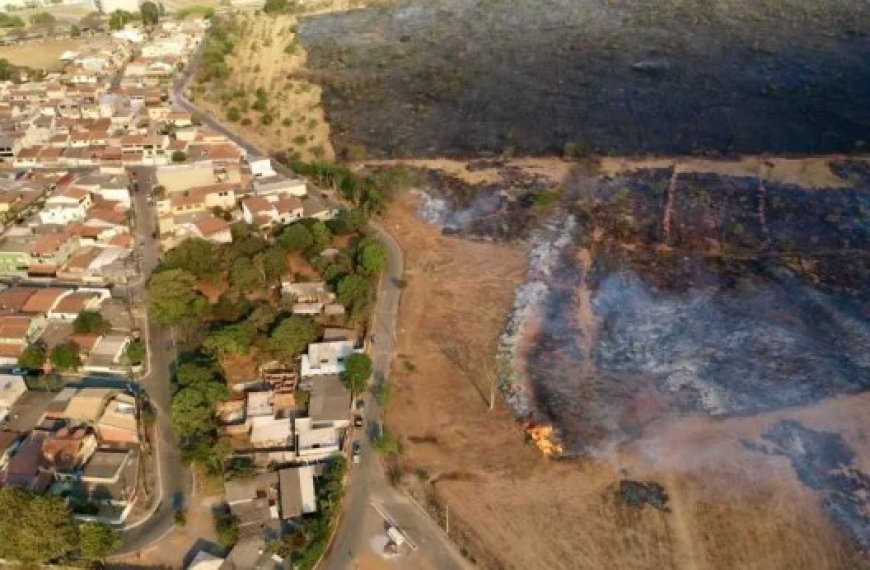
[545, 438]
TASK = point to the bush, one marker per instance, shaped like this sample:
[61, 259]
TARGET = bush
[91, 322]
[179, 156]
[266, 119]
[233, 114]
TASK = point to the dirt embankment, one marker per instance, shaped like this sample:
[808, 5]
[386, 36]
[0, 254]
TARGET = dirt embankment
[737, 495]
[278, 109]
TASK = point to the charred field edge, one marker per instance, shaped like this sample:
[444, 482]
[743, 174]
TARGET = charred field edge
[715, 295]
[824, 463]
[465, 77]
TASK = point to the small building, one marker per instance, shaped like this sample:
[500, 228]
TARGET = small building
[268, 431]
[329, 403]
[118, 424]
[326, 357]
[296, 486]
[205, 561]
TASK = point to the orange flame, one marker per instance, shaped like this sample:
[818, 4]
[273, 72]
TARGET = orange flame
[544, 437]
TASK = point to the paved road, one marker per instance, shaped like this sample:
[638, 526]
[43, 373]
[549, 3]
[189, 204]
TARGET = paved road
[368, 482]
[174, 479]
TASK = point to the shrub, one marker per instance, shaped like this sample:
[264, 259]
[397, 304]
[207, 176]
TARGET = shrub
[233, 114]
[179, 156]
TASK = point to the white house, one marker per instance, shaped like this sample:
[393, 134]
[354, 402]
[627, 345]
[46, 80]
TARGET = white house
[313, 443]
[326, 357]
[262, 168]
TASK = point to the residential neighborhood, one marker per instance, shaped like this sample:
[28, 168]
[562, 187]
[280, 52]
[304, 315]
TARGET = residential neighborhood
[103, 175]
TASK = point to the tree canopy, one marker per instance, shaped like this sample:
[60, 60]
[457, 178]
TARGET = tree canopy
[119, 18]
[97, 541]
[65, 356]
[38, 529]
[355, 292]
[372, 255]
[293, 335]
[91, 322]
[195, 255]
[150, 13]
[136, 352]
[233, 339]
[172, 299]
[33, 356]
[357, 371]
[197, 387]
[295, 237]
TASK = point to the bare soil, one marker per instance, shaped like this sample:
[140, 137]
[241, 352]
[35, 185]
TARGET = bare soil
[733, 503]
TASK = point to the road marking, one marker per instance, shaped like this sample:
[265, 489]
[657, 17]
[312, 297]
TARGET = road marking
[375, 505]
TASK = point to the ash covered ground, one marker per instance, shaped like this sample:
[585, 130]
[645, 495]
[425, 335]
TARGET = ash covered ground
[700, 293]
[656, 295]
[461, 77]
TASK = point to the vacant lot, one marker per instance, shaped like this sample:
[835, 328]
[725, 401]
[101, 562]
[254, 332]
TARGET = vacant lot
[460, 77]
[41, 54]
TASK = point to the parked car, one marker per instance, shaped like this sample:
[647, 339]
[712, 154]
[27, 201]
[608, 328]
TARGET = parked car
[357, 421]
[360, 404]
[357, 450]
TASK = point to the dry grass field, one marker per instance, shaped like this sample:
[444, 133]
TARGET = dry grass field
[729, 506]
[42, 54]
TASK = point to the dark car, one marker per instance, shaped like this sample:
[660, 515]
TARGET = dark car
[357, 421]
[357, 450]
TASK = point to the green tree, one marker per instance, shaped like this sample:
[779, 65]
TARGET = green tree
[192, 413]
[179, 156]
[118, 19]
[233, 114]
[91, 322]
[243, 275]
[295, 237]
[196, 373]
[347, 222]
[65, 356]
[321, 235]
[271, 264]
[172, 299]
[136, 352]
[75, 31]
[7, 21]
[198, 256]
[355, 292]
[233, 339]
[35, 528]
[42, 19]
[230, 307]
[150, 13]
[97, 540]
[261, 318]
[357, 371]
[33, 356]
[372, 256]
[293, 335]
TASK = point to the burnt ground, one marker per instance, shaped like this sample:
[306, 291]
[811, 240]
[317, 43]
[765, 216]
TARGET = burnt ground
[464, 77]
[744, 296]
[823, 462]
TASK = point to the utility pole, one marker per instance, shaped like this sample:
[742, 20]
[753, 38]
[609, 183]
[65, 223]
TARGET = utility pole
[447, 519]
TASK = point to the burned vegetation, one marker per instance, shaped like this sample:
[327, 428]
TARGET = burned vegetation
[464, 77]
